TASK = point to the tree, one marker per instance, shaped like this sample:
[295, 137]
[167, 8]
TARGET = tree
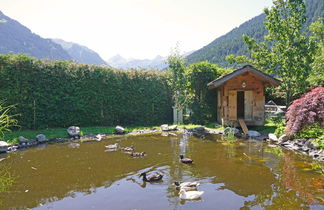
[285, 52]
[317, 75]
[177, 79]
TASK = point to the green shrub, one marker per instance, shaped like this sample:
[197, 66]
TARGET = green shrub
[280, 130]
[312, 131]
[62, 93]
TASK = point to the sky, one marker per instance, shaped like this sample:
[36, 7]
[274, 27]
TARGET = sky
[140, 29]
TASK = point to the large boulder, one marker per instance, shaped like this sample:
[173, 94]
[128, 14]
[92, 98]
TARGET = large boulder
[3, 146]
[253, 133]
[272, 137]
[119, 130]
[283, 138]
[22, 140]
[165, 127]
[41, 138]
[74, 131]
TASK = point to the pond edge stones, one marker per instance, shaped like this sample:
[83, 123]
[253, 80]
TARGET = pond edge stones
[74, 131]
[3, 146]
[41, 138]
[119, 130]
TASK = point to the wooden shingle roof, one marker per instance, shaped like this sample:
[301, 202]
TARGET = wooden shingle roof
[247, 68]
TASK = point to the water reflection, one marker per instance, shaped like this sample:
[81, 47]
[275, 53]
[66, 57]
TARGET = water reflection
[233, 175]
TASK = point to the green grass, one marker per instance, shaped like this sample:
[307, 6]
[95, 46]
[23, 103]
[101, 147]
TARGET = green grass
[51, 133]
[269, 127]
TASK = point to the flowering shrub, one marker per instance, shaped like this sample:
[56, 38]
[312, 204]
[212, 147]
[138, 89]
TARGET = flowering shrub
[306, 111]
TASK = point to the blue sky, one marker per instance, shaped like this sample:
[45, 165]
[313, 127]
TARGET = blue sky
[133, 28]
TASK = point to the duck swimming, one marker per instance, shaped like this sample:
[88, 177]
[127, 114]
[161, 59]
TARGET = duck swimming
[186, 184]
[186, 188]
[185, 160]
[152, 177]
[138, 154]
[191, 195]
[128, 149]
[112, 146]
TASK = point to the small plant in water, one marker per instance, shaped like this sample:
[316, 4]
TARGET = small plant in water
[6, 180]
[230, 135]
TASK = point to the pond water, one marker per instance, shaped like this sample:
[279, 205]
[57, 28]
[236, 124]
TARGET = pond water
[243, 174]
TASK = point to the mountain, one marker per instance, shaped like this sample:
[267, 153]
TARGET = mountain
[16, 38]
[118, 61]
[79, 53]
[232, 42]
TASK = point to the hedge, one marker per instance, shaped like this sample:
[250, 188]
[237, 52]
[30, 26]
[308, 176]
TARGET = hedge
[62, 93]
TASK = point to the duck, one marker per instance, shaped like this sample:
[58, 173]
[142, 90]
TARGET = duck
[185, 160]
[190, 195]
[99, 137]
[128, 149]
[112, 146]
[186, 188]
[154, 177]
[138, 154]
[186, 184]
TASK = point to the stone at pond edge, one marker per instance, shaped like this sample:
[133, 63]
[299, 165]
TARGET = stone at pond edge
[272, 137]
[166, 127]
[22, 139]
[73, 131]
[283, 138]
[200, 129]
[41, 138]
[3, 146]
[229, 129]
[253, 133]
[119, 129]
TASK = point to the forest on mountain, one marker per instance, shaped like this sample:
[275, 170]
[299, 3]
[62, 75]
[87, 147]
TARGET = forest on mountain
[232, 42]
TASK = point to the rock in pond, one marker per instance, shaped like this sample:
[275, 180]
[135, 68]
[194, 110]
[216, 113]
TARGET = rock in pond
[41, 138]
[119, 130]
[166, 127]
[74, 131]
[253, 133]
[22, 140]
[3, 146]
[272, 137]
[283, 138]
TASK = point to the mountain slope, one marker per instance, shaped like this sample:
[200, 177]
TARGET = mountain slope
[16, 38]
[232, 42]
[79, 53]
[118, 61]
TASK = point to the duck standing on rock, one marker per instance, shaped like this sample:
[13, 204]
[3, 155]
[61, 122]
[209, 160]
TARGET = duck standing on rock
[185, 160]
[152, 177]
[112, 146]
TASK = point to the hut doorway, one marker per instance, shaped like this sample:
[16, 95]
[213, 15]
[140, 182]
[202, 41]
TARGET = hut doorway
[240, 104]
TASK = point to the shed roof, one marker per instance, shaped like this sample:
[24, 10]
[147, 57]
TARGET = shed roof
[247, 68]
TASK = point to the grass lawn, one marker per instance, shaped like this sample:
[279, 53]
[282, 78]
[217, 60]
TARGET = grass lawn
[12, 137]
[269, 127]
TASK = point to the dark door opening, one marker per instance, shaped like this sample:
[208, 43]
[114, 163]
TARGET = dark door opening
[240, 104]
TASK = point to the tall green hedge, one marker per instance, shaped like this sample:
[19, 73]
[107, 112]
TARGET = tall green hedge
[62, 93]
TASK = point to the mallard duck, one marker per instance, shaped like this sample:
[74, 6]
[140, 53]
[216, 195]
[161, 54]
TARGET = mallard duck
[186, 184]
[185, 160]
[138, 154]
[128, 149]
[152, 177]
[112, 146]
[191, 195]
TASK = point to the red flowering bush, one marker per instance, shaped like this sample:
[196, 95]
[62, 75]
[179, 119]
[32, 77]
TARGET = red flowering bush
[306, 111]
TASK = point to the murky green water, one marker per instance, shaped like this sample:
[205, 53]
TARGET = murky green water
[244, 174]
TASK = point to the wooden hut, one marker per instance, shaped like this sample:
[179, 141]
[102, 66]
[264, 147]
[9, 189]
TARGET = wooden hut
[240, 96]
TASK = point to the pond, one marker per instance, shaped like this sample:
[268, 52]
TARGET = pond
[243, 174]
